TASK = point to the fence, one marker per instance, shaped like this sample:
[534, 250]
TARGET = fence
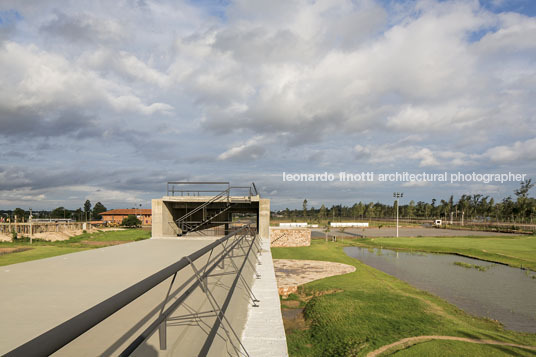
[27, 229]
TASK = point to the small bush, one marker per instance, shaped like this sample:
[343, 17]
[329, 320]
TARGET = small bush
[131, 221]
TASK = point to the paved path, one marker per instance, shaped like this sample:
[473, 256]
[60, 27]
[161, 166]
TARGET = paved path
[404, 232]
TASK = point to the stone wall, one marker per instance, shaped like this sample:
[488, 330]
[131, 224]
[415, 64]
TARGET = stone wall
[290, 237]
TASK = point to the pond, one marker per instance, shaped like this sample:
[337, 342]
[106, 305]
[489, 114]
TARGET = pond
[478, 287]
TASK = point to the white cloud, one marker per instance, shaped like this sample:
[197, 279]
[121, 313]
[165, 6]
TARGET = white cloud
[251, 150]
[518, 151]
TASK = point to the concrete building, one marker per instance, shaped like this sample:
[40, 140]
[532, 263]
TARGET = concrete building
[190, 209]
[117, 215]
[167, 210]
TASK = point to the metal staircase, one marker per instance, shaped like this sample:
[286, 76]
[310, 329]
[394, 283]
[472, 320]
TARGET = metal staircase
[206, 213]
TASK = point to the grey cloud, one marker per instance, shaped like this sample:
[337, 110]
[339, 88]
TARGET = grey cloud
[12, 178]
[260, 45]
[30, 123]
[81, 28]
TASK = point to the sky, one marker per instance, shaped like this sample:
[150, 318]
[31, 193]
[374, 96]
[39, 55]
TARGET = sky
[108, 101]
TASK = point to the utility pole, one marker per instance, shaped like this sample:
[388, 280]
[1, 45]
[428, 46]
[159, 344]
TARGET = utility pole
[31, 230]
[397, 195]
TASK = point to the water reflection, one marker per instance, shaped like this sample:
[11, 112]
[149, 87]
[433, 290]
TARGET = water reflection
[495, 291]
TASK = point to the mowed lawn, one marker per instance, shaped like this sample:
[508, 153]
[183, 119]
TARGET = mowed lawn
[356, 313]
[516, 251]
[42, 249]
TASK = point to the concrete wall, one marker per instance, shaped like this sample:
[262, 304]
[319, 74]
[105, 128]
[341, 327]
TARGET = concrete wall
[162, 220]
[264, 218]
[290, 237]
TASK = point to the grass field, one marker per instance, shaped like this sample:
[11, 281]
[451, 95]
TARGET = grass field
[516, 251]
[368, 309]
[43, 249]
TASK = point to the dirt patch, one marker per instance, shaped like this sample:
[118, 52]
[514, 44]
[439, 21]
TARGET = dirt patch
[12, 250]
[410, 341]
[293, 319]
[290, 303]
[290, 273]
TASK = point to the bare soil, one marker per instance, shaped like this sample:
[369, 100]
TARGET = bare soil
[12, 250]
[291, 273]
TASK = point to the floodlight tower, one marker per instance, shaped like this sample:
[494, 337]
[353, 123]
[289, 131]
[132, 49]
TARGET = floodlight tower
[397, 195]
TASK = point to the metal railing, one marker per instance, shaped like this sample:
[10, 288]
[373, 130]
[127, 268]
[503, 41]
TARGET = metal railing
[243, 239]
[174, 188]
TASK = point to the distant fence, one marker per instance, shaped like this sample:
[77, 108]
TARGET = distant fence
[349, 224]
[43, 227]
[293, 225]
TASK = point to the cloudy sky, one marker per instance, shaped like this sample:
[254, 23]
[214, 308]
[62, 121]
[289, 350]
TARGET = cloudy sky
[108, 100]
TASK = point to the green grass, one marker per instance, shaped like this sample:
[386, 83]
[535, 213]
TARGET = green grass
[470, 266]
[375, 309]
[43, 249]
[458, 348]
[516, 251]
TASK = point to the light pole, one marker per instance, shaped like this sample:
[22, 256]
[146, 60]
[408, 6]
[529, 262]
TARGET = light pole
[397, 195]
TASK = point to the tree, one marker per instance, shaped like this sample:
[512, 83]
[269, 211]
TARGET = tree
[18, 214]
[60, 212]
[322, 213]
[98, 209]
[87, 208]
[78, 214]
[523, 203]
[304, 208]
[131, 221]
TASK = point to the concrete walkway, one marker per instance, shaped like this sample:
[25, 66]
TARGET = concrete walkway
[38, 295]
[264, 334]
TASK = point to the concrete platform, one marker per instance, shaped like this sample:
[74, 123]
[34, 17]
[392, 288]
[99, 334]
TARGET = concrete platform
[264, 334]
[37, 296]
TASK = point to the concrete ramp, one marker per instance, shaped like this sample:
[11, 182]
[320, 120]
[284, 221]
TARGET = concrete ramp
[37, 296]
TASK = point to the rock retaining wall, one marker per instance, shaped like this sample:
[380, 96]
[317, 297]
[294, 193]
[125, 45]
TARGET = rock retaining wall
[290, 237]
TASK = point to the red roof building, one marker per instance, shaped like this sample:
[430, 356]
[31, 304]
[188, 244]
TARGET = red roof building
[117, 215]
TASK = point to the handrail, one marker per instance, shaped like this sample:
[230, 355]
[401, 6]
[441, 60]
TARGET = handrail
[165, 314]
[57, 337]
[205, 204]
[252, 188]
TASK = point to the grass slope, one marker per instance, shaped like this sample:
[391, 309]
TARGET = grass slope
[375, 309]
[515, 251]
[43, 249]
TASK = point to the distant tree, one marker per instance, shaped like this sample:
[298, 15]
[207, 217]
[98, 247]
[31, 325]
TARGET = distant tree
[131, 221]
[98, 209]
[322, 213]
[60, 212]
[19, 213]
[523, 204]
[304, 206]
[87, 209]
[78, 214]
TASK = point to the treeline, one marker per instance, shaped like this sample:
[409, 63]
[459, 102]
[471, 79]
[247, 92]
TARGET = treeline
[85, 213]
[521, 209]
